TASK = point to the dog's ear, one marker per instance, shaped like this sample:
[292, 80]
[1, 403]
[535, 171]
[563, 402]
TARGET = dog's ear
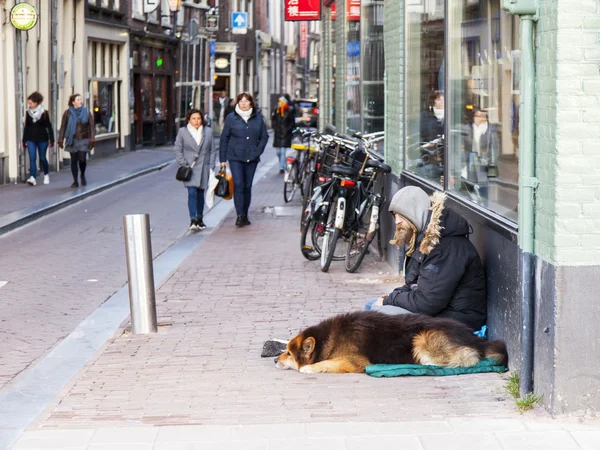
[308, 345]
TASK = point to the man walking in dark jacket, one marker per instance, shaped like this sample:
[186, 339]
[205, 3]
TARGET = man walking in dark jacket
[444, 275]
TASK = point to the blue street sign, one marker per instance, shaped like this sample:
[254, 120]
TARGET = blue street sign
[213, 48]
[239, 22]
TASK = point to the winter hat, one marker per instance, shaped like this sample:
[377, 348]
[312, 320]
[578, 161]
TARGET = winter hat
[283, 100]
[413, 203]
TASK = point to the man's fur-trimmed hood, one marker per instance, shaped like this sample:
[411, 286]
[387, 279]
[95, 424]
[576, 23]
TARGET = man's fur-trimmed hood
[442, 222]
[433, 232]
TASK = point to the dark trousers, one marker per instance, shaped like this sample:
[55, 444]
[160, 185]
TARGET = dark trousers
[34, 148]
[243, 174]
[196, 203]
[78, 158]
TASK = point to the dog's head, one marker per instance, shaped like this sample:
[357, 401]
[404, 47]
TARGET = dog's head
[299, 352]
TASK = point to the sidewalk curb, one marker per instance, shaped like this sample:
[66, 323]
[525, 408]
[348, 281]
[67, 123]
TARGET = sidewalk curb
[30, 217]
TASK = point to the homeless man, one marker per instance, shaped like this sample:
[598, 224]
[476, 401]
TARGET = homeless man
[443, 272]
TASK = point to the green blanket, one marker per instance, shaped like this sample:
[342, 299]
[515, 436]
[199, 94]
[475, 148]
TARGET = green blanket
[399, 370]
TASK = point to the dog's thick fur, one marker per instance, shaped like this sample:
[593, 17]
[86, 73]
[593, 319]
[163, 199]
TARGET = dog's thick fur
[350, 342]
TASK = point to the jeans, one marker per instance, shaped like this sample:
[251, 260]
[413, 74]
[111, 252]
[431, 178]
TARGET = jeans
[196, 203]
[386, 309]
[243, 174]
[41, 148]
[281, 153]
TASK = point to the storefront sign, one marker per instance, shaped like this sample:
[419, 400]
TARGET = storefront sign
[353, 10]
[23, 16]
[303, 39]
[302, 10]
[221, 63]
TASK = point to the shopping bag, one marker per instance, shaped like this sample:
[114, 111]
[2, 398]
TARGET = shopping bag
[224, 188]
[209, 198]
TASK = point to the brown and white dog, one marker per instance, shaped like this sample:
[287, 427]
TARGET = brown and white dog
[350, 342]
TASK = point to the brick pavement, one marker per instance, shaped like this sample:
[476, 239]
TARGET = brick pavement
[239, 288]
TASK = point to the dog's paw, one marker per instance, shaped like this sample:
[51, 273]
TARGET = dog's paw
[309, 369]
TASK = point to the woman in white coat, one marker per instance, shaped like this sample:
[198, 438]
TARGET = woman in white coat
[193, 145]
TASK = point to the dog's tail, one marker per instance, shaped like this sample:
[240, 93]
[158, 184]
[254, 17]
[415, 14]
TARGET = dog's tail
[496, 350]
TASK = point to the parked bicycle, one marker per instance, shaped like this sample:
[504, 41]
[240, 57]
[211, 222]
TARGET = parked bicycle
[342, 217]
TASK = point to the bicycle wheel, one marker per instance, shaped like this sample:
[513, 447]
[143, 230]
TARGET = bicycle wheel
[358, 246]
[318, 234]
[303, 172]
[290, 181]
[307, 248]
[308, 189]
[329, 242]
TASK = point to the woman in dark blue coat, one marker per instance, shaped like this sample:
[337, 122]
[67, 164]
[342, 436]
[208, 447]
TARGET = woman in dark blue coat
[243, 140]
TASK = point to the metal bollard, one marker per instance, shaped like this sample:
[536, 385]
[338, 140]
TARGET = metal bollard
[138, 250]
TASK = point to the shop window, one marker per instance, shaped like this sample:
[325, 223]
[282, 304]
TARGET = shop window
[145, 96]
[353, 103]
[159, 98]
[146, 58]
[372, 73]
[333, 48]
[103, 106]
[482, 105]
[425, 96]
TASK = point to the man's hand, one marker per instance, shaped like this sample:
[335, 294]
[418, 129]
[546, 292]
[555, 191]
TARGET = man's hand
[379, 301]
[223, 165]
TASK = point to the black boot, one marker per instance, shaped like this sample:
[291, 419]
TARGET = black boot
[245, 220]
[83, 180]
[240, 222]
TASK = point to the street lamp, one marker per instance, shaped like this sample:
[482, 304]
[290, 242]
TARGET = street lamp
[174, 5]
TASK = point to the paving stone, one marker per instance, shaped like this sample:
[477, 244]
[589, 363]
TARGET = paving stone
[547, 440]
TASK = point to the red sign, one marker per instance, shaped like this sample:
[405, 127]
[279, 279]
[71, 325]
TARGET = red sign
[303, 39]
[302, 10]
[353, 9]
[333, 12]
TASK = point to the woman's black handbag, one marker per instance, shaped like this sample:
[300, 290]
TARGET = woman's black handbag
[224, 188]
[184, 173]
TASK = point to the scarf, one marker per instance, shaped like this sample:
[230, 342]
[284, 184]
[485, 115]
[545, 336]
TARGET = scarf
[76, 115]
[36, 113]
[196, 133]
[478, 131]
[243, 114]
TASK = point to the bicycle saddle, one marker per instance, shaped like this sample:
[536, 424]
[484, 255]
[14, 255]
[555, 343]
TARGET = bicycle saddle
[379, 165]
[342, 169]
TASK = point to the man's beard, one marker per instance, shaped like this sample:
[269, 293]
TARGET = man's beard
[406, 234]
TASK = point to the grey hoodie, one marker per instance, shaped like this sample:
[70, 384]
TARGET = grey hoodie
[413, 203]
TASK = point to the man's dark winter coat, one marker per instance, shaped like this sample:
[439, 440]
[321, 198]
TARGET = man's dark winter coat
[283, 127]
[447, 271]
